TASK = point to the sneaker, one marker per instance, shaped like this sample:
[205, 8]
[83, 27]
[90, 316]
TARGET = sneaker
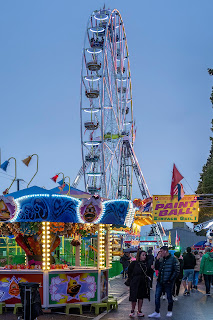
[132, 314]
[175, 298]
[140, 314]
[188, 293]
[169, 314]
[185, 292]
[154, 315]
[164, 297]
[208, 294]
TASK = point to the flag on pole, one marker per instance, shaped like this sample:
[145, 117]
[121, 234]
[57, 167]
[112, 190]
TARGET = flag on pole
[179, 191]
[176, 178]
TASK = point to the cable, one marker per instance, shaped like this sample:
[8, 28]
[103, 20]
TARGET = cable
[189, 185]
[7, 174]
[6, 178]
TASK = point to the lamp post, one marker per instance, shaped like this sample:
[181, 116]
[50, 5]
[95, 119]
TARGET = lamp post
[55, 178]
[68, 193]
[4, 166]
[26, 161]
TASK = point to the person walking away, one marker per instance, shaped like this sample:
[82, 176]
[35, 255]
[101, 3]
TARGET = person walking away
[200, 278]
[125, 261]
[196, 269]
[139, 274]
[189, 263]
[178, 280]
[150, 261]
[168, 268]
[206, 268]
[156, 272]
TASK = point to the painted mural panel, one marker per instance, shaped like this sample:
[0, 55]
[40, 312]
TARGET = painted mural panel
[72, 287]
[9, 289]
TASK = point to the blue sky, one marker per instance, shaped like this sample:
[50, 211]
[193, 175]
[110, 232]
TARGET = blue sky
[170, 45]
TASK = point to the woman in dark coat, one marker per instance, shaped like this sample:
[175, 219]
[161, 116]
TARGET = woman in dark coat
[139, 273]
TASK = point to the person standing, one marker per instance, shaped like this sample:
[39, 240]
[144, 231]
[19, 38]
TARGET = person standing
[150, 261]
[189, 263]
[168, 267]
[139, 275]
[178, 280]
[125, 261]
[206, 268]
[196, 269]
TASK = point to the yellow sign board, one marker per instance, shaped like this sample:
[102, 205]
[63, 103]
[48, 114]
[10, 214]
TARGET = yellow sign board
[167, 210]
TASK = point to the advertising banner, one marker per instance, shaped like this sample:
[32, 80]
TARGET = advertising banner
[72, 287]
[167, 210]
[9, 289]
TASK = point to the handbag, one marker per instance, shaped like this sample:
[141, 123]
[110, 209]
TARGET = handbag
[127, 282]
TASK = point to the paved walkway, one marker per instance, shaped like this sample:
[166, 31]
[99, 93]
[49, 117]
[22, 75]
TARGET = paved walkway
[195, 307]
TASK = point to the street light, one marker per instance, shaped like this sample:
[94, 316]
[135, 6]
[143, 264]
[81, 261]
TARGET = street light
[4, 166]
[26, 161]
[55, 178]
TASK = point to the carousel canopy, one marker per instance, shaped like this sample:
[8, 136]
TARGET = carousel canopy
[37, 204]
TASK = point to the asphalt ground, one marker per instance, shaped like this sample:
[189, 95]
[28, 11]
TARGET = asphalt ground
[197, 306]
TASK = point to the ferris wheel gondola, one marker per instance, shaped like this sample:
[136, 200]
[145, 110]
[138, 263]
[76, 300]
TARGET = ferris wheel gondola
[106, 106]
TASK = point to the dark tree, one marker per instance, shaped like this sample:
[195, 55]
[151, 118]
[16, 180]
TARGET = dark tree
[205, 184]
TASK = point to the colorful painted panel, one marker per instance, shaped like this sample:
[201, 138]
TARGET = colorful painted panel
[9, 289]
[104, 284]
[7, 208]
[53, 208]
[61, 208]
[72, 287]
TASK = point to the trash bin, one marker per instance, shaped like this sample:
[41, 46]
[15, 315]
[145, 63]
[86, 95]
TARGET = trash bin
[30, 299]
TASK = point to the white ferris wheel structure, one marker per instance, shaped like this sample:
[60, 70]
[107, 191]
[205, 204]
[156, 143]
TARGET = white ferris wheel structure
[106, 110]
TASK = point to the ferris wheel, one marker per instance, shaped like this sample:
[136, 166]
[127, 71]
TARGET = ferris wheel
[106, 107]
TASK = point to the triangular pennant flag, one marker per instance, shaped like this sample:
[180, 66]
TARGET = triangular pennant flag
[27, 161]
[4, 165]
[62, 187]
[5, 192]
[61, 182]
[54, 178]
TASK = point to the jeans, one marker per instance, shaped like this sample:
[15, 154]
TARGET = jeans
[167, 287]
[188, 274]
[207, 279]
[195, 279]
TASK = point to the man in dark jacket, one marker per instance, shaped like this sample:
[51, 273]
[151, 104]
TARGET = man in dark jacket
[168, 267]
[189, 263]
[125, 261]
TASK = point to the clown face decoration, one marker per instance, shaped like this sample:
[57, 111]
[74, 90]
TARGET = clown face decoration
[91, 209]
[7, 208]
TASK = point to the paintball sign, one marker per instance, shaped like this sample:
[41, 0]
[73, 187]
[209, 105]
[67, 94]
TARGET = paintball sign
[166, 210]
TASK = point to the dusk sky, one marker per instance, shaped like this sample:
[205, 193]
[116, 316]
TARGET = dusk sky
[170, 46]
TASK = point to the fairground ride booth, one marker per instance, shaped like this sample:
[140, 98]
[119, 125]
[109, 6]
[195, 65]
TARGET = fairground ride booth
[61, 242]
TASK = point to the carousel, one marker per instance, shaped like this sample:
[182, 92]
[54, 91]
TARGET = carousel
[59, 241]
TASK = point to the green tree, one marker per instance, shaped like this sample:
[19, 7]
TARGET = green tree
[205, 184]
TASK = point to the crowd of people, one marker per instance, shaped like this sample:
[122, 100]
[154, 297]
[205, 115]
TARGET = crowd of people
[170, 270]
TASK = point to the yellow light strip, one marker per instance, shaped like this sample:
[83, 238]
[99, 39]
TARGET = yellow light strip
[46, 245]
[101, 247]
[109, 249]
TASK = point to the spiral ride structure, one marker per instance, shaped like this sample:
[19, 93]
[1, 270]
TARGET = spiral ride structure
[106, 107]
